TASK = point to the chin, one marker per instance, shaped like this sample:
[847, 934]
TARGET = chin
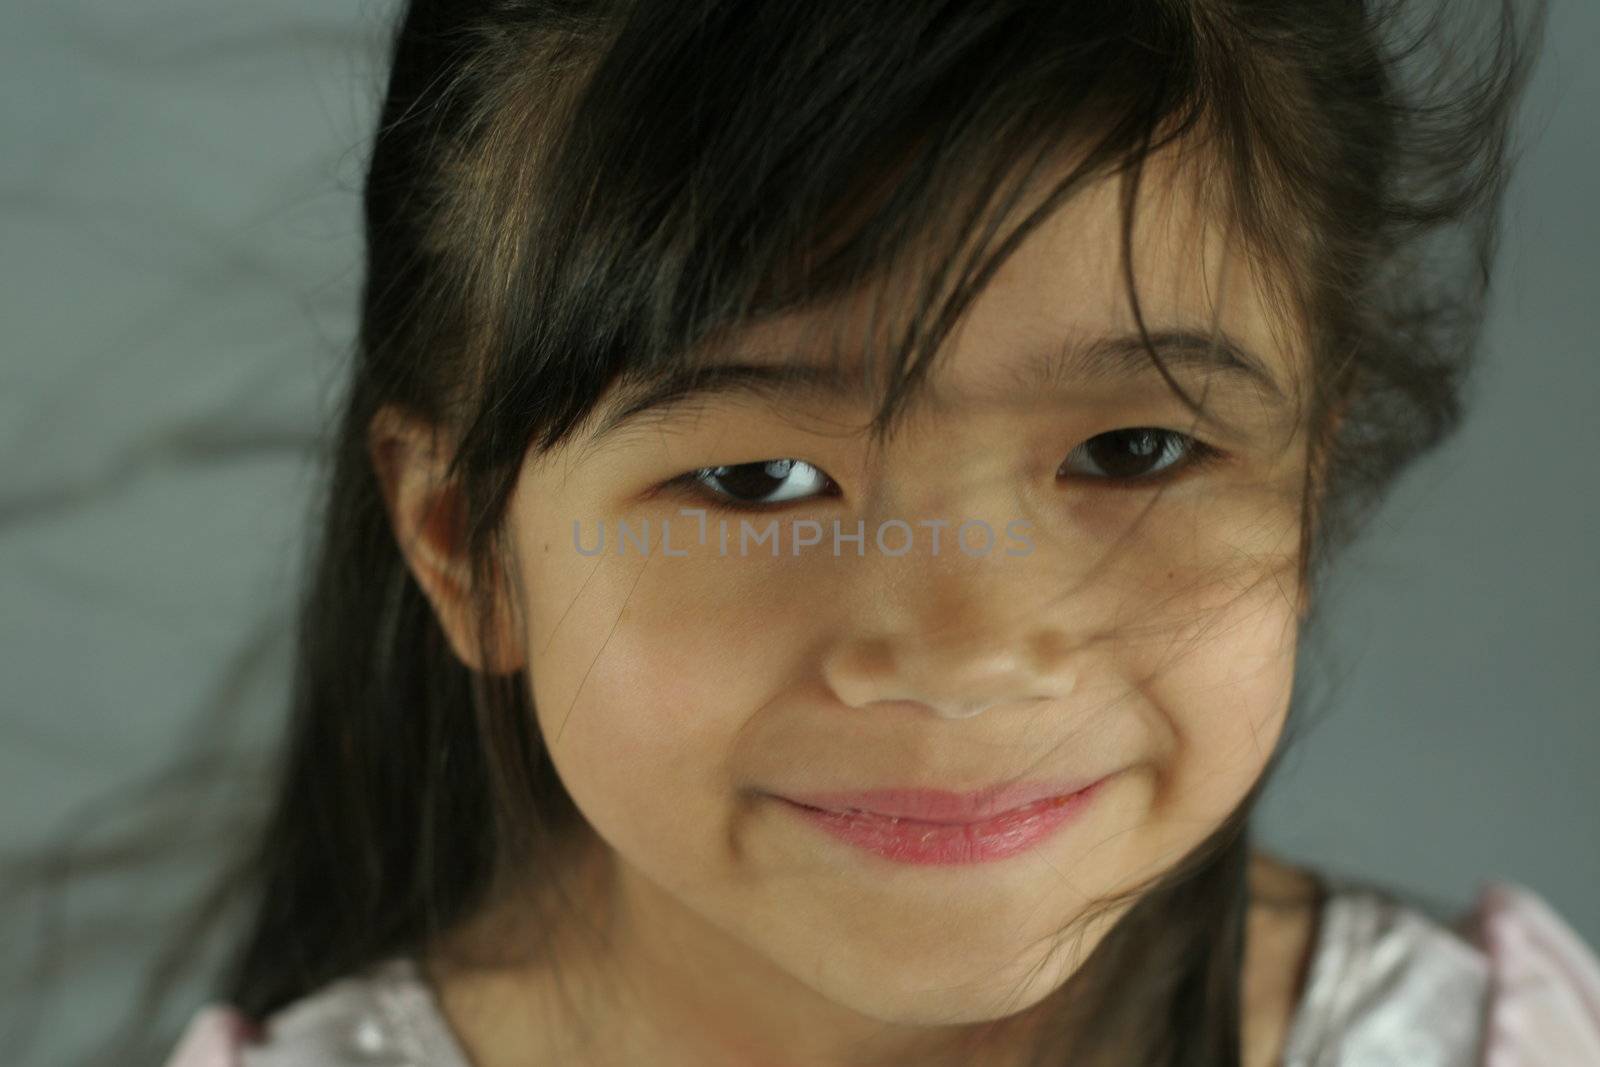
[964, 992]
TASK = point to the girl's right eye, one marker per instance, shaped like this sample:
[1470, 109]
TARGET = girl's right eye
[755, 486]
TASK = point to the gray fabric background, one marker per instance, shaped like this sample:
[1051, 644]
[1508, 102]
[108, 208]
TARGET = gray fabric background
[178, 278]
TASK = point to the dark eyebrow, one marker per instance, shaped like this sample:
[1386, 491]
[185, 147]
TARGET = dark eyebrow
[1118, 357]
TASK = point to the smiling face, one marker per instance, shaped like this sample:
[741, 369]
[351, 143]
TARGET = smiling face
[1144, 635]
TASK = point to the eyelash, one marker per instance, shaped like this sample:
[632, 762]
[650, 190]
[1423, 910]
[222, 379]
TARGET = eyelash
[1196, 454]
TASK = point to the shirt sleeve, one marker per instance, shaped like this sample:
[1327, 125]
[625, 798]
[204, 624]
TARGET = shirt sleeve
[1544, 994]
[215, 1037]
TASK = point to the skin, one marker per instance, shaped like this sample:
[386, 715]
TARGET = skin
[1149, 636]
[1280, 937]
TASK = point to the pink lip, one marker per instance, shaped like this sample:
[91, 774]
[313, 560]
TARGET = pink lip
[942, 842]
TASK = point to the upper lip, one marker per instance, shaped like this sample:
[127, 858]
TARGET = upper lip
[942, 805]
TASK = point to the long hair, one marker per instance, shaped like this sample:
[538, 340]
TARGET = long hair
[568, 196]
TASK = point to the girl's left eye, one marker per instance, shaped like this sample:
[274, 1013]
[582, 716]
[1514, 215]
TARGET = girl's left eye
[1124, 458]
[1129, 456]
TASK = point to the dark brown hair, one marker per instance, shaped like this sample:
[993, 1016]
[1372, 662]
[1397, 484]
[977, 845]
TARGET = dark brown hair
[564, 196]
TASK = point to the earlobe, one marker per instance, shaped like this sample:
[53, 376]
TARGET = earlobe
[423, 513]
[428, 520]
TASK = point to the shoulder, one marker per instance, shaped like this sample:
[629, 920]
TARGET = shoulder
[1544, 996]
[383, 1015]
[213, 1038]
[1397, 977]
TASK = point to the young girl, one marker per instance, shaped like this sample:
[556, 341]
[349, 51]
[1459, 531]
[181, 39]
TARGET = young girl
[826, 510]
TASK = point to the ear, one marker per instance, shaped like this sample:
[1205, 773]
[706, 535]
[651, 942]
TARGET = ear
[427, 515]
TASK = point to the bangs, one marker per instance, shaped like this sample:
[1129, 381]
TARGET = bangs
[828, 152]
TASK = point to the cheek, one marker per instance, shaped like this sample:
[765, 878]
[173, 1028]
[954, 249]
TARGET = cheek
[1213, 608]
[1240, 686]
[1223, 691]
[644, 672]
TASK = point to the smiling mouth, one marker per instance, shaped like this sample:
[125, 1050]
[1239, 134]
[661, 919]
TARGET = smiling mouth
[919, 841]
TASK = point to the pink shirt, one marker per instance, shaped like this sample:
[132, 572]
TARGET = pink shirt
[1506, 984]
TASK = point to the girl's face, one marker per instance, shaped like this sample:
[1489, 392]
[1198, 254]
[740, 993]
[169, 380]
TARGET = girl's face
[1144, 638]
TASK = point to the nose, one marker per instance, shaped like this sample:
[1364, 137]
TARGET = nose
[965, 649]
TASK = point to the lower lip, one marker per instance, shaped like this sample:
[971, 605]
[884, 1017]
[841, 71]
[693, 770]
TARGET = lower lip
[948, 844]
